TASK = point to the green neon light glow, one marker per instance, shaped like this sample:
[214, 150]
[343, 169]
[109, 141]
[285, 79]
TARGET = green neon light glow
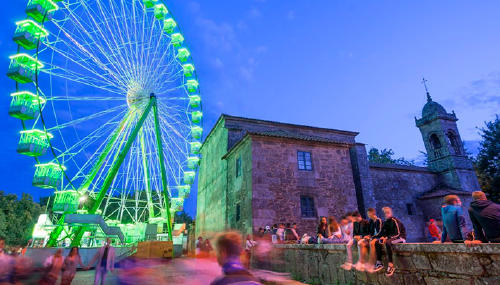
[25, 60]
[169, 25]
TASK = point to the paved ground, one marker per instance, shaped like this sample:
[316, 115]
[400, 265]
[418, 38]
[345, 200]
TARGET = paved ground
[179, 271]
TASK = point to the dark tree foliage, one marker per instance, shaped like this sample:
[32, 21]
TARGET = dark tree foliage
[488, 160]
[17, 218]
[385, 156]
[182, 217]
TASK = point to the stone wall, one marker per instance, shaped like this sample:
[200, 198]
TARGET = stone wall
[398, 187]
[212, 180]
[239, 188]
[278, 184]
[439, 264]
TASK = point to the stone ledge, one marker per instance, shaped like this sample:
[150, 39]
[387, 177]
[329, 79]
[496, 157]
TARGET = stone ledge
[416, 263]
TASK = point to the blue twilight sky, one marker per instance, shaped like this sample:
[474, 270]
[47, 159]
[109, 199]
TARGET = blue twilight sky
[353, 65]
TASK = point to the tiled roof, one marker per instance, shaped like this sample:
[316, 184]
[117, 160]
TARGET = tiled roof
[441, 191]
[293, 135]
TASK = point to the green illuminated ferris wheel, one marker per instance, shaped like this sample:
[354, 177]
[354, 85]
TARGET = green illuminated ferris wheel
[110, 108]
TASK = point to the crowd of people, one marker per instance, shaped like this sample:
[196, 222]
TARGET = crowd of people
[15, 268]
[373, 235]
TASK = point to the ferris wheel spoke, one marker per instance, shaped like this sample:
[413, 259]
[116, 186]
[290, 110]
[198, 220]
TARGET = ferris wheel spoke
[85, 98]
[87, 118]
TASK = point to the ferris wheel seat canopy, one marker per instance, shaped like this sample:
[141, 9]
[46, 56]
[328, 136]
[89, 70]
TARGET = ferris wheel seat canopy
[25, 105]
[196, 132]
[27, 34]
[183, 54]
[193, 162]
[194, 147]
[183, 191]
[176, 204]
[194, 101]
[66, 201]
[196, 117]
[189, 177]
[41, 10]
[149, 3]
[188, 69]
[160, 11]
[177, 39]
[48, 175]
[192, 85]
[33, 142]
[169, 26]
[23, 68]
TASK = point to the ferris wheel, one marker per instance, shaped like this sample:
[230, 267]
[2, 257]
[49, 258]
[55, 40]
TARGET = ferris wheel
[110, 108]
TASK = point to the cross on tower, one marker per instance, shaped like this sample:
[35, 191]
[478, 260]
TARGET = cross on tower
[424, 81]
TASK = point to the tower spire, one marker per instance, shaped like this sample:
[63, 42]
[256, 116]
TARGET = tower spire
[424, 81]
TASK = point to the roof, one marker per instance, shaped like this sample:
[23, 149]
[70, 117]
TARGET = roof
[441, 191]
[225, 116]
[399, 167]
[433, 108]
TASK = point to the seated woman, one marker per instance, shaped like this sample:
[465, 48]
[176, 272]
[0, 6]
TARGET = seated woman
[334, 234]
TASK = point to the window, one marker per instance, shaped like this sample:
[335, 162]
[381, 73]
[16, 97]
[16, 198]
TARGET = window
[410, 209]
[238, 166]
[435, 142]
[304, 160]
[307, 207]
[238, 214]
[452, 138]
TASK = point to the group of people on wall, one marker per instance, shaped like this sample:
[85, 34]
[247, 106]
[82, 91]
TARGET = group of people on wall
[373, 235]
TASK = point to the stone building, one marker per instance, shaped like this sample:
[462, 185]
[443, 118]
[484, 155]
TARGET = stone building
[256, 173]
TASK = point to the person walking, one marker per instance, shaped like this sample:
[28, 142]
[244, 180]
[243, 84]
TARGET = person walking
[70, 264]
[453, 220]
[228, 249]
[105, 258]
[485, 217]
[52, 268]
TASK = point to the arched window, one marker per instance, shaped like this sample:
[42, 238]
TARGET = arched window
[435, 142]
[455, 144]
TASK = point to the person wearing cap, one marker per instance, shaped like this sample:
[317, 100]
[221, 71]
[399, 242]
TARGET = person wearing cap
[434, 231]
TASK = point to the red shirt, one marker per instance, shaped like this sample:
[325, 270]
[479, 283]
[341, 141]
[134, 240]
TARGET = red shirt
[434, 230]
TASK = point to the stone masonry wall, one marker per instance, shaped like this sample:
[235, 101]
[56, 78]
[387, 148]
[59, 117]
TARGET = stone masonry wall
[430, 264]
[278, 184]
[211, 201]
[239, 189]
[398, 187]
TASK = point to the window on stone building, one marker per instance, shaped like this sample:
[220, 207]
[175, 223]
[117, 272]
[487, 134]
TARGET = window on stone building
[238, 212]
[410, 209]
[304, 160]
[452, 138]
[307, 207]
[238, 166]
[435, 142]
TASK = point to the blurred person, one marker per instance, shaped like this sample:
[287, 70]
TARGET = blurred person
[70, 264]
[208, 247]
[260, 233]
[274, 236]
[249, 245]
[434, 231]
[293, 235]
[453, 220]
[6, 264]
[361, 229]
[198, 245]
[228, 250]
[346, 227]
[485, 217]
[322, 229]
[280, 233]
[52, 268]
[393, 231]
[105, 258]
[374, 228]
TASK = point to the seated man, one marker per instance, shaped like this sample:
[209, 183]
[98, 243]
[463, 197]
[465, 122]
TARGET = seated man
[228, 249]
[485, 217]
[393, 231]
[453, 220]
[360, 230]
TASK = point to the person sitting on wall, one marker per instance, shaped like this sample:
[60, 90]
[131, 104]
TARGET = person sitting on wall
[228, 250]
[393, 231]
[434, 231]
[334, 233]
[322, 230]
[360, 230]
[485, 217]
[453, 220]
[346, 227]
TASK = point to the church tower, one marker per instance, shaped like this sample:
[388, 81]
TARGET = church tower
[445, 151]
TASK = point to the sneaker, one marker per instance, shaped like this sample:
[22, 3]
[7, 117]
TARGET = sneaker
[378, 266]
[346, 266]
[390, 271]
[359, 267]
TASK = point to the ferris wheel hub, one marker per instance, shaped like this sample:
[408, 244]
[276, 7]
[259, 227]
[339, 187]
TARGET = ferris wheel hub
[138, 96]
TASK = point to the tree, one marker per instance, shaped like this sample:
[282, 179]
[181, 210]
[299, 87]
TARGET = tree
[182, 217]
[18, 217]
[385, 156]
[488, 160]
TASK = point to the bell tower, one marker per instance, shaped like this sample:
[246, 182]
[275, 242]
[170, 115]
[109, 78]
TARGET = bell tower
[445, 151]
